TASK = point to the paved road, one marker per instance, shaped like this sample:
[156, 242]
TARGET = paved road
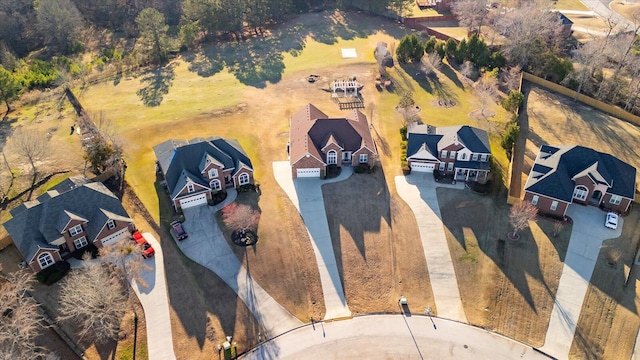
[601, 7]
[156, 306]
[207, 246]
[306, 196]
[418, 190]
[392, 337]
[584, 246]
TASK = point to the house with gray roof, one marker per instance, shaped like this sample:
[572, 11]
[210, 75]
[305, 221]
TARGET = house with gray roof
[70, 216]
[317, 141]
[462, 151]
[196, 169]
[563, 175]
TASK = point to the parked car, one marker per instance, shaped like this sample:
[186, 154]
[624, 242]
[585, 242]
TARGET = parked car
[178, 230]
[147, 249]
[611, 221]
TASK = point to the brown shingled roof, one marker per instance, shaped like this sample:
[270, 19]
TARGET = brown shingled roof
[311, 129]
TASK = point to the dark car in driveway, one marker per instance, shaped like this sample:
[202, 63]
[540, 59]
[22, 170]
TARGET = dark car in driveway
[177, 230]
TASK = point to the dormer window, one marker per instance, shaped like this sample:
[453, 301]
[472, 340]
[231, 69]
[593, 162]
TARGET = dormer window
[190, 188]
[474, 157]
[483, 157]
[111, 224]
[213, 173]
[463, 156]
[75, 230]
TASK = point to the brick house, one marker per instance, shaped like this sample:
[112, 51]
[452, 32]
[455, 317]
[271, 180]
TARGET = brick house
[196, 169]
[463, 151]
[563, 175]
[70, 216]
[317, 141]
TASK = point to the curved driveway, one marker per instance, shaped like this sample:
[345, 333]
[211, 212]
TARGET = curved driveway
[306, 196]
[392, 337]
[418, 190]
[156, 305]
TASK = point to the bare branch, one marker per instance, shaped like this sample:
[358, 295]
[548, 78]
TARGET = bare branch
[240, 217]
[520, 215]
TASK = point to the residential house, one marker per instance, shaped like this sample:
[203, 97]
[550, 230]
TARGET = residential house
[460, 150]
[196, 169]
[70, 216]
[563, 175]
[317, 141]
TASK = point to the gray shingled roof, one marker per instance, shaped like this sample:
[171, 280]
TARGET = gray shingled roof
[38, 225]
[180, 159]
[474, 139]
[555, 167]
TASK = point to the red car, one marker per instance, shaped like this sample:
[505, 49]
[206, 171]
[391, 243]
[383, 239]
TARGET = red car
[147, 249]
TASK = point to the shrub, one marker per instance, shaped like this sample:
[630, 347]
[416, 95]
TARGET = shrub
[217, 198]
[403, 145]
[246, 187]
[90, 248]
[510, 137]
[53, 273]
[410, 49]
[513, 101]
[403, 133]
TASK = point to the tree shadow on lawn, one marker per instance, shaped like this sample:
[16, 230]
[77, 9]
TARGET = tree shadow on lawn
[433, 86]
[195, 292]
[468, 216]
[260, 60]
[448, 71]
[6, 130]
[156, 83]
[358, 211]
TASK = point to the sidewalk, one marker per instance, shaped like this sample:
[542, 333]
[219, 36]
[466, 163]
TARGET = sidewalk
[207, 246]
[584, 247]
[156, 306]
[418, 190]
[306, 196]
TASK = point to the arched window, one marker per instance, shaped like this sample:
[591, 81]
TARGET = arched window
[332, 157]
[45, 259]
[215, 185]
[243, 178]
[580, 192]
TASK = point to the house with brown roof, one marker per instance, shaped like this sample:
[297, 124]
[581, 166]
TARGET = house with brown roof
[68, 217]
[564, 175]
[317, 141]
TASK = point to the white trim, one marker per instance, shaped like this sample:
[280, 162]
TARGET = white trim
[111, 224]
[240, 179]
[554, 205]
[580, 192]
[366, 158]
[80, 240]
[74, 228]
[42, 256]
[215, 181]
[215, 174]
[304, 156]
[33, 257]
[332, 157]
[332, 143]
[535, 199]
[617, 197]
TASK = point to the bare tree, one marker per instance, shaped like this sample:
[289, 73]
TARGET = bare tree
[384, 58]
[529, 30]
[511, 78]
[32, 146]
[240, 217]
[20, 321]
[520, 215]
[470, 13]
[591, 58]
[468, 70]
[127, 256]
[7, 178]
[487, 90]
[94, 298]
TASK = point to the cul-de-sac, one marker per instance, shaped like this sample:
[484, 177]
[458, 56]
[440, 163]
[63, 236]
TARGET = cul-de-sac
[336, 179]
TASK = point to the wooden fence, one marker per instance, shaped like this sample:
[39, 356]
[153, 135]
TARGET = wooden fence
[609, 109]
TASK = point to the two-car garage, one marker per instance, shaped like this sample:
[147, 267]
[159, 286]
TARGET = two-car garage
[422, 167]
[195, 200]
[308, 172]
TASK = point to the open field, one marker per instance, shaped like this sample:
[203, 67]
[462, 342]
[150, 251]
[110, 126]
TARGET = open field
[506, 286]
[570, 5]
[377, 247]
[630, 11]
[554, 119]
[609, 321]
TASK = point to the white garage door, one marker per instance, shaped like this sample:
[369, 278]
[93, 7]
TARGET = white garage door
[309, 172]
[193, 201]
[422, 167]
[115, 237]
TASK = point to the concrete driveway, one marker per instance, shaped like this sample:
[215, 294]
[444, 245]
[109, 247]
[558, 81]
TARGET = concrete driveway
[418, 190]
[156, 305]
[584, 247]
[207, 246]
[392, 337]
[306, 196]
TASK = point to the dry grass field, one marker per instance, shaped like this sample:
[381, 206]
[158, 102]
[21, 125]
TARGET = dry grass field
[376, 243]
[506, 286]
[629, 10]
[609, 320]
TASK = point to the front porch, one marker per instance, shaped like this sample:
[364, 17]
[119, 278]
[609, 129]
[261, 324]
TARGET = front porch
[476, 175]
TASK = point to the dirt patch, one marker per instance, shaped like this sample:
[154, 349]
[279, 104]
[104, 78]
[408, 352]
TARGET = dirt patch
[481, 114]
[608, 322]
[506, 286]
[377, 246]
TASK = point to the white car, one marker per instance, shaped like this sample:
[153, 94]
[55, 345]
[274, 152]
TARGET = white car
[611, 221]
